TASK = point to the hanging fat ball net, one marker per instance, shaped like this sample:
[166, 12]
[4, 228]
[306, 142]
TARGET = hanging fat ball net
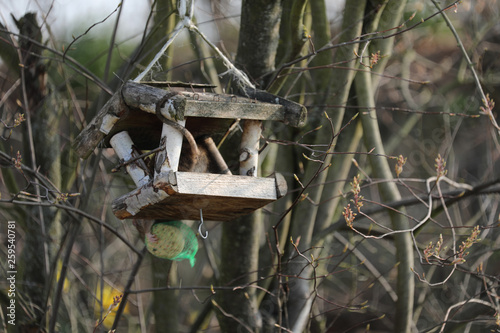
[172, 240]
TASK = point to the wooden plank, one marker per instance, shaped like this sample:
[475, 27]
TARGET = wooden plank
[130, 205]
[176, 84]
[91, 135]
[125, 111]
[295, 114]
[228, 186]
[142, 97]
[260, 106]
[187, 207]
[228, 110]
[199, 104]
[181, 195]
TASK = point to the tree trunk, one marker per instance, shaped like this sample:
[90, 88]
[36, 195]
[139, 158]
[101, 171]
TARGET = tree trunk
[240, 239]
[259, 36]
[41, 152]
[365, 88]
[304, 217]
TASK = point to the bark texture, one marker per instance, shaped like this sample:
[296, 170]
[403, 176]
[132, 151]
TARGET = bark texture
[237, 311]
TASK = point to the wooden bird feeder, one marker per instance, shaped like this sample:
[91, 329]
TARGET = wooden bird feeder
[137, 120]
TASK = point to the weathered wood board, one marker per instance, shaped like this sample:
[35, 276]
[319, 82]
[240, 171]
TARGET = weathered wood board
[180, 195]
[91, 136]
[209, 105]
[133, 109]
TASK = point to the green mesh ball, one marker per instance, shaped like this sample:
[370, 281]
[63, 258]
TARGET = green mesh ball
[176, 241]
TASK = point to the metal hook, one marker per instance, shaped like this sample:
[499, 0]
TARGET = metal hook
[204, 236]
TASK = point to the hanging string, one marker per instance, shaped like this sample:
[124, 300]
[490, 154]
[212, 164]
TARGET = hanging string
[204, 236]
[185, 9]
[177, 30]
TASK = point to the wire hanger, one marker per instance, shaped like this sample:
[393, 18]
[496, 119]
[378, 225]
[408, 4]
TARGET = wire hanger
[204, 236]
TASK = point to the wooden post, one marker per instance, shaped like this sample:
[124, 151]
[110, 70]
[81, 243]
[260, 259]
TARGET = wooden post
[124, 148]
[168, 159]
[249, 147]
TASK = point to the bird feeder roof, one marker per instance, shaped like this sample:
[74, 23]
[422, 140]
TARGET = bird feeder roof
[133, 108]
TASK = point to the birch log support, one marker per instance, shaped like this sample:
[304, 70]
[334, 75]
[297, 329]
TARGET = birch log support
[124, 148]
[168, 159]
[249, 148]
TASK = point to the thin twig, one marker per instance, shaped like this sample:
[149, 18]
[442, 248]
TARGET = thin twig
[473, 300]
[175, 33]
[471, 67]
[187, 23]
[88, 30]
[214, 303]
[126, 292]
[141, 156]
[358, 40]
